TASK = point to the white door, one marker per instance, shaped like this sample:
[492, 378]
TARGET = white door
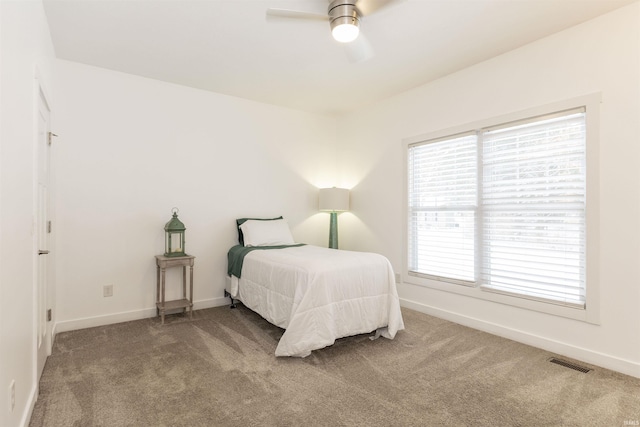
[43, 341]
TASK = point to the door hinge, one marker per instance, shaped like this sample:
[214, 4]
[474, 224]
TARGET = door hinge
[48, 226]
[49, 315]
[51, 135]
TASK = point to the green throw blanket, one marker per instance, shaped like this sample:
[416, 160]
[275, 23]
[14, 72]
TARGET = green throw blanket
[235, 256]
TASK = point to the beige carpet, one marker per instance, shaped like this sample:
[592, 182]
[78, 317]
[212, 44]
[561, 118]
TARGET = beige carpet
[219, 370]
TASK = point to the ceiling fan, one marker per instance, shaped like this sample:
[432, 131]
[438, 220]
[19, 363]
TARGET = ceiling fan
[344, 18]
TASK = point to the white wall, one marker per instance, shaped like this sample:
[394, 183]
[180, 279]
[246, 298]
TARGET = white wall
[24, 45]
[132, 148]
[603, 56]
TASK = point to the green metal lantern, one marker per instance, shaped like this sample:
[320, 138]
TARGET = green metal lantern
[174, 236]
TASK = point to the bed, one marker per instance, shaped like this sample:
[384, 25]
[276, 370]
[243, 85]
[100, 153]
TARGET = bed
[315, 294]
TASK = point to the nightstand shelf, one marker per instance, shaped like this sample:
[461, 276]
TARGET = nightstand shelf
[186, 302]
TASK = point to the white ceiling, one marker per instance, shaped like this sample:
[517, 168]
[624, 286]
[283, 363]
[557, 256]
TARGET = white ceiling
[230, 47]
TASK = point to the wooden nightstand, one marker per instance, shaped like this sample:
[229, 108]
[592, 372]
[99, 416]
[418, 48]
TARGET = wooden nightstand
[186, 302]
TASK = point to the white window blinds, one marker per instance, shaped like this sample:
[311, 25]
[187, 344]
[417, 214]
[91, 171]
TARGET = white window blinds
[533, 193]
[503, 208]
[442, 208]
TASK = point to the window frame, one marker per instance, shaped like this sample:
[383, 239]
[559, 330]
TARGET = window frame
[590, 313]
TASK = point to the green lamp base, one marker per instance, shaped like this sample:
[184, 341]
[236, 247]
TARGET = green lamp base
[333, 230]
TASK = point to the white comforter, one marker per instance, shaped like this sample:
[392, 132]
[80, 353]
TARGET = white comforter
[318, 295]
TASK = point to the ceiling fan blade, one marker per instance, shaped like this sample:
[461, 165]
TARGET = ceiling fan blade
[296, 14]
[358, 50]
[367, 7]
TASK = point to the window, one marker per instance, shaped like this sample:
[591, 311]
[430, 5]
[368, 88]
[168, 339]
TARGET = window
[443, 208]
[503, 208]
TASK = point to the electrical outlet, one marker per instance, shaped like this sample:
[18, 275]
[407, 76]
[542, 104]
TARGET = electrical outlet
[107, 291]
[398, 278]
[12, 395]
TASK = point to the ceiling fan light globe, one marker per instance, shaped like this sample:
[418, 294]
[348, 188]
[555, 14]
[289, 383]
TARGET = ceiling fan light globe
[345, 33]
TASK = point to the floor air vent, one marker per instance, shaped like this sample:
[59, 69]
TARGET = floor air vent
[569, 365]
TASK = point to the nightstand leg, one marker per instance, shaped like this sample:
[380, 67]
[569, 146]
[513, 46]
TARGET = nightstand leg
[157, 290]
[191, 293]
[162, 279]
[184, 285]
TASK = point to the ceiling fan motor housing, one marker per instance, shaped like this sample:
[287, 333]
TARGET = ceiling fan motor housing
[344, 12]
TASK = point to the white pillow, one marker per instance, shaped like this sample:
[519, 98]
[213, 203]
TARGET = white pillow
[266, 233]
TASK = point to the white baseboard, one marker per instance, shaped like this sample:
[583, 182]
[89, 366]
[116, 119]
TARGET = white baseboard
[127, 316]
[613, 363]
[31, 403]
[210, 303]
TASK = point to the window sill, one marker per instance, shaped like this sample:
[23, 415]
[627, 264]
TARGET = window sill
[588, 314]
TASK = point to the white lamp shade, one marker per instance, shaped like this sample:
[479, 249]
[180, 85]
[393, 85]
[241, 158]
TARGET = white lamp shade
[334, 199]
